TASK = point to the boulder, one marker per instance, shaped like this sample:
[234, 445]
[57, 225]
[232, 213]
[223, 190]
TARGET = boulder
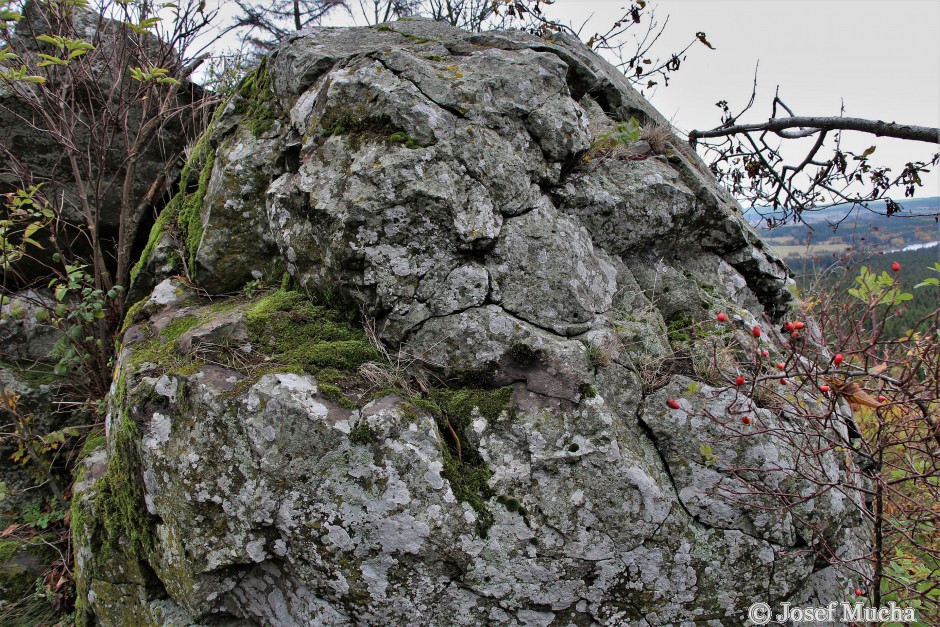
[453, 411]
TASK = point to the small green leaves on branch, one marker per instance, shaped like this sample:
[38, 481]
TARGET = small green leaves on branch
[21, 217]
[71, 47]
[878, 289]
[20, 75]
[145, 25]
[157, 74]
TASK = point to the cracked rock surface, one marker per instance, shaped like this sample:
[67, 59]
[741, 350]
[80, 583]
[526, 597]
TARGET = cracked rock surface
[434, 178]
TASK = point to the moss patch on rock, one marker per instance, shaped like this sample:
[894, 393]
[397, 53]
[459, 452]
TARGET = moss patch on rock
[257, 104]
[183, 210]
[291, 330]
[464, 468]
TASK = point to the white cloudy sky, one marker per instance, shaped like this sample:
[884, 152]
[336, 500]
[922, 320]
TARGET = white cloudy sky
[881, 59]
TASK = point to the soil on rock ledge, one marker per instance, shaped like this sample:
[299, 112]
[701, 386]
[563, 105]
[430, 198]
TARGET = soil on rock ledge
[267, 466]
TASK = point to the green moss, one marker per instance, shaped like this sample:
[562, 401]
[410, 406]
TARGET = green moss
[291, 330]
[465, 470]
[361, 433]
[257, 105]
[334, 394]
[461, 403]
[587, 390]
[679, 328]
[433, 57]
[183, 210]
[119, 503]
[364, 128]
[92, 441]
[522, 353]
[190, 220]
[382, 28]
[160, 350]
[8, 548]
[130, 316]
[417, 39]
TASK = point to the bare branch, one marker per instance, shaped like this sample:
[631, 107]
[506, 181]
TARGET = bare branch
[809, 125]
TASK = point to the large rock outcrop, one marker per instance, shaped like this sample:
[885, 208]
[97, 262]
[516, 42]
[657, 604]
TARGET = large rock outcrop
[513, 460]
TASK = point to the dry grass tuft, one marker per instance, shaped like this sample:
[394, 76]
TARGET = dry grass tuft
[659, 137]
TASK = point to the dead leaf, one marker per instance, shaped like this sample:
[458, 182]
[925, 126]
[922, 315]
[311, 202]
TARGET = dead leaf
[853, 393]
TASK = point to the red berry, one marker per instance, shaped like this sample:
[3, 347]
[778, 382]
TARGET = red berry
[838, 359]
[858, 592]
[673, 403]
[781, 365]
[765, 353]
[721, 317]
[824, 388]
[739, 380]
[788, 327]
[882, 399]
[756, 331]
[795, 335]
[896, 266]
[783, 381]
[799, 324]
[746, 420]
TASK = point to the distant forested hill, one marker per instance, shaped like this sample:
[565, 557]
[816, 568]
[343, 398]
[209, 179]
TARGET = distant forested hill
[837, 274]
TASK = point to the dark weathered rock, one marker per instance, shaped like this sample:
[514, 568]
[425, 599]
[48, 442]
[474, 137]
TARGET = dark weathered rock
[25, 133]
[546, 304]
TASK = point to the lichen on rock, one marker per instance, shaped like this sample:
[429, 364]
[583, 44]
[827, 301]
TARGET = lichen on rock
[458, 415]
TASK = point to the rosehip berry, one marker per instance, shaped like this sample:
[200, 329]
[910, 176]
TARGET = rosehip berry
[882, 399]
[765, 353]
[795, 335]
[824, 388]
[746, 420]
[721, 317]
[858, 592]
[799, 325]
[783, 381]
[673, 403]
[781, 365]
[739, 380]
[896, 266]
[756, 331]
[838, 359]
[788, 327]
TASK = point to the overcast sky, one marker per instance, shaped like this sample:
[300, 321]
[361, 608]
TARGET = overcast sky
[880, 58]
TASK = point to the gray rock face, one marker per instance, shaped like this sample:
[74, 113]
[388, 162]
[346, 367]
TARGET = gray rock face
[436, 179]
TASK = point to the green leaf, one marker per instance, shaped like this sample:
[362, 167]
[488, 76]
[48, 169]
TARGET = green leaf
[58, 42]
